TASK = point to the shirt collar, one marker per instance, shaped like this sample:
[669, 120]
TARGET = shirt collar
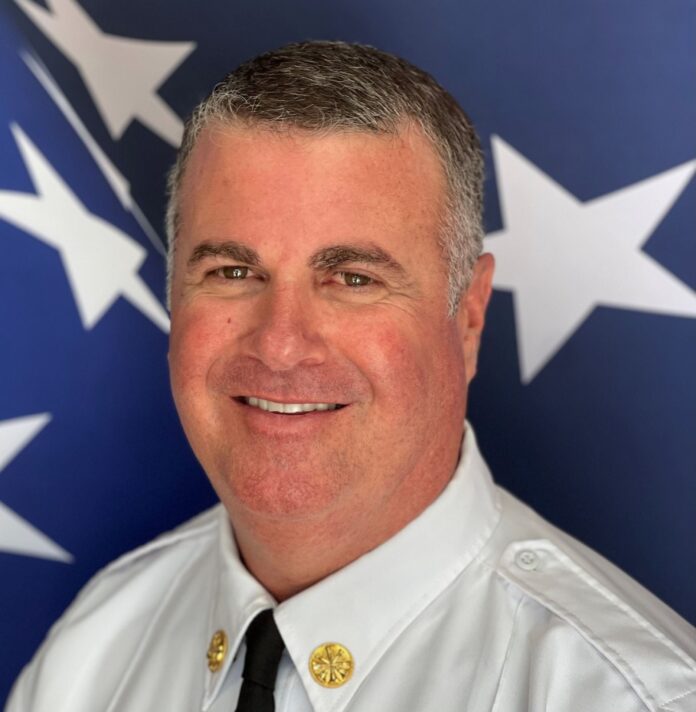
[237, 598]
[366, 605]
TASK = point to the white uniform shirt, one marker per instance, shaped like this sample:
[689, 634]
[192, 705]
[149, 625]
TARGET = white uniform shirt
[476, 605]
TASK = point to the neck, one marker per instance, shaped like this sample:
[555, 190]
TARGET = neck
[288, 555]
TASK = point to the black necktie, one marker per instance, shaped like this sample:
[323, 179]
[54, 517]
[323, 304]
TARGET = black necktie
[264, 647]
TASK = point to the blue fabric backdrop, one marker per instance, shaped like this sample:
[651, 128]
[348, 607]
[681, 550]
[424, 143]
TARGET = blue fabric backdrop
[585, 403]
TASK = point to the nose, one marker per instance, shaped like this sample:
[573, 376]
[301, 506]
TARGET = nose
[286, 330]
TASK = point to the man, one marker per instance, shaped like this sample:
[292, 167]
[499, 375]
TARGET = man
[328, 298]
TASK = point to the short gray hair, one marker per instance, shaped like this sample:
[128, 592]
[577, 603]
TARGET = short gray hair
[336, 86]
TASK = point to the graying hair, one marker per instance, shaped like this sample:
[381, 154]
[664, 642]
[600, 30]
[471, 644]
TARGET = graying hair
[336, 86]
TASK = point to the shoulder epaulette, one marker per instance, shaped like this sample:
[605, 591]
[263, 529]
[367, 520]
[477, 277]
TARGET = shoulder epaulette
[659, 671]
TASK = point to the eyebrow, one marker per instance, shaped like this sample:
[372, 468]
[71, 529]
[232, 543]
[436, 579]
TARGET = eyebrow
[230, 249]
[337, 255]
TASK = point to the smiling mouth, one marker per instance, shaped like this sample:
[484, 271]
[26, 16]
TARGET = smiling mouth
[287, 408]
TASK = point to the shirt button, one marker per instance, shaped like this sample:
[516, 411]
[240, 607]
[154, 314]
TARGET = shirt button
[331, 664]
[527, 560]
[217, 650]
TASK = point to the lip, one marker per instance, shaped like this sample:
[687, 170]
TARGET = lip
[285, 398]
[253, 401]
[279, 424]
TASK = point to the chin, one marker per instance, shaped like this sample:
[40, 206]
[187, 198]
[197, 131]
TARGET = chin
[279, 492]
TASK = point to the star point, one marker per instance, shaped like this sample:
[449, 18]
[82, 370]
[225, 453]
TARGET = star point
[101, 261]
[561, 257]
[17, 536]
[122, 74]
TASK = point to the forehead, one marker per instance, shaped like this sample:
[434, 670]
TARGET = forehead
[342, 184]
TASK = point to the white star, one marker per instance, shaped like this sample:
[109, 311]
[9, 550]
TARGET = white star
[121, 73]
[17, 536]
[101, 261]
[561, 258]
[115, 179]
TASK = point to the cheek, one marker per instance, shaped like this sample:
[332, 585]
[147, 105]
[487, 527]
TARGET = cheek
[197, 336]
[407, 366]
[398, 370]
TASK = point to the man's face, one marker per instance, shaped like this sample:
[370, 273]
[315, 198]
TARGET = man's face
[308, 276]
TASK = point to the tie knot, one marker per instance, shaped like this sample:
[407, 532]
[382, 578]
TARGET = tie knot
[264, 650]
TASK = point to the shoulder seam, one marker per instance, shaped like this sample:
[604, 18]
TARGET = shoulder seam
[602, 647]
[526, 580]
[630, 612]
[664, 707]
[161, 542]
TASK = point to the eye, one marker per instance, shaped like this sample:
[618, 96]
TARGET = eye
[233, 280]
[354, 279]
[232, 272]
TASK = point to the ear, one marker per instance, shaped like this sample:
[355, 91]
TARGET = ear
[471, 314]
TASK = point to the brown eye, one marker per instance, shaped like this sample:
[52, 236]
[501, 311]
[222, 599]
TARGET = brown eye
[352, 279]
[234, 272]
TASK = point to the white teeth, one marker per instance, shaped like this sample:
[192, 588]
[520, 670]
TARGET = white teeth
[273, 407]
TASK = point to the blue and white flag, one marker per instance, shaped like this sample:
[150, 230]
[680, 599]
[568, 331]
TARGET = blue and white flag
[585, 401]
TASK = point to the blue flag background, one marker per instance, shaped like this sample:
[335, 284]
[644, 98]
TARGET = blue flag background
[585, 402]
